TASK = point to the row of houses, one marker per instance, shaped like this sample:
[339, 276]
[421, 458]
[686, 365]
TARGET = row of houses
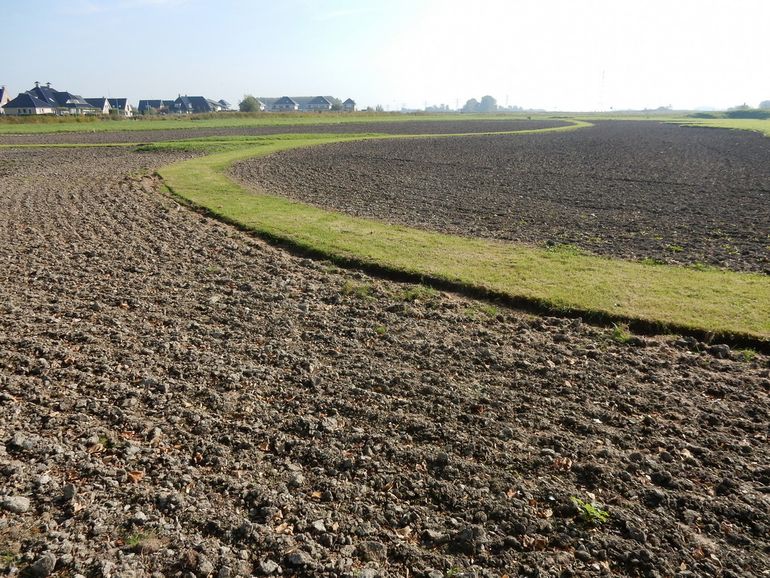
[302, 104]
[46, 100]
[182, 105]
[43, 99]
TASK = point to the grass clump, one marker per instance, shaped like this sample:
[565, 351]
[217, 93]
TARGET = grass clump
[747, 354]
[621, 334]
[591, 514]
[360, 290]
[419, 293]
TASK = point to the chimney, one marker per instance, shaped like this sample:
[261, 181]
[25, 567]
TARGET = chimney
[37, 83]
[48, 84]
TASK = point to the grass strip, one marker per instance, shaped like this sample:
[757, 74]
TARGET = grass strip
[39, 125]
[726, 304]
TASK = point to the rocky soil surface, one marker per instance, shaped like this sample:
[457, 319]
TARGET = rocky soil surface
[410, 127]
[637, 190]
[178, 399]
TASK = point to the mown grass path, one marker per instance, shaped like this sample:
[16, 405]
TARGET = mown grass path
[723, 303]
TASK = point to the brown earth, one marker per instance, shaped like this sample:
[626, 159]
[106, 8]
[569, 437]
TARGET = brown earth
[180, 399]
[410, 127]
[634, 190]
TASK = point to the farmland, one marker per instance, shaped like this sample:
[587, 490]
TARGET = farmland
[178, 395]
[624, 189]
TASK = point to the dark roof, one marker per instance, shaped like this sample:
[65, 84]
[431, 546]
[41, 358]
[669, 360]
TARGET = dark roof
[96, 102]
[286, 100]
[26, 100]
[224, 103]
[3, 92]
[118, 102]
[320, 100]
[196, 104]
[156, 104]
[349, 101]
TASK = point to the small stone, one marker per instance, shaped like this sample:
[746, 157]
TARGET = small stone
[296, 480]
[721, 351]
[371, 551]
[225, 572]
[43, 566]
[268, 567]
[582, 555]
[319, 526]
[204, 566]
[69, 492]
[15, 504]
[299, 558]
[139, 518]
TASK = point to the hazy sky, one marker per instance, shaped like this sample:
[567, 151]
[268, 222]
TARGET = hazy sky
[554, 54]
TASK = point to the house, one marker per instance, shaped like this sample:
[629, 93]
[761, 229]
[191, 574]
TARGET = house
[318, 104]
[285, 104]
[195, 105]
[3, 98]
[158, 106]
[61, 102]
[100, 104]
[349, 105]
[26, 104]
[225, 105]
[121, 107]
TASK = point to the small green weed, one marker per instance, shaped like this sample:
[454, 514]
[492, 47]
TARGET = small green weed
[621, 333]
[7, 558]
[651, 261]
[419, 293]
[360, 290]
[591, 514]
[674, 248]
[380, 330]
[747, 354]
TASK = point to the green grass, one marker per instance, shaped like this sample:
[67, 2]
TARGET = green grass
[760, 126]
[558, 278]
[37, 125]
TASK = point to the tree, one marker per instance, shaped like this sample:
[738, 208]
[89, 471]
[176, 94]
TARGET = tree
[765, 105]
[249, 104]
[471, 106]
[379, 108]
[336, 103]
[488, 104]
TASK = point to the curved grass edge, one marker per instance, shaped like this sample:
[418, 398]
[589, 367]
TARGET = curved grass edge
[713, 304]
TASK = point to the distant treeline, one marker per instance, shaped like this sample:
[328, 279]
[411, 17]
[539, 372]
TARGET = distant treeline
[755, 113]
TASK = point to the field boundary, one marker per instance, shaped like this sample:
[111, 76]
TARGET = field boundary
[714, 304]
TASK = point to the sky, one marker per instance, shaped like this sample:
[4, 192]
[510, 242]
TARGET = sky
[572, 55]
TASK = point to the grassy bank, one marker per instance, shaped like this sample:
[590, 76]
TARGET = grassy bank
[41, 125]
[563, 279]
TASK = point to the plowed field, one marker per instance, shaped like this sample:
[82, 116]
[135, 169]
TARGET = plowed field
[177, 397]
[625, 189]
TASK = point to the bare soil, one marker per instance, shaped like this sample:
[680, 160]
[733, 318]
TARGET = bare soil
[636, 190]
[179, 399]
[410, 127]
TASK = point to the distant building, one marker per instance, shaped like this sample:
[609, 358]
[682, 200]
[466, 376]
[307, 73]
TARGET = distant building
[4, 98]
[158, 106]
[26, 104]
[61, 102]
[224, 104]
[349, 105]
[319, 103]
[196, 105]
[100, 104]
[285, 104]
[121, 107]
